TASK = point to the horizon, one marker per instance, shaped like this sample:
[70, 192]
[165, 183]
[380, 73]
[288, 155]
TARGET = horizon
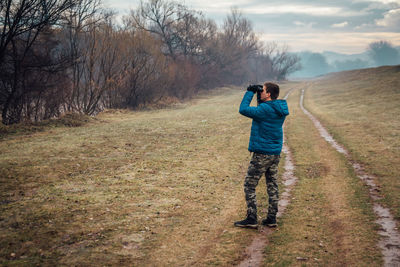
[304, 25]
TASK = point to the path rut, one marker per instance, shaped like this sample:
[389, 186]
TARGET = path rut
[390, 236]
[255, 250]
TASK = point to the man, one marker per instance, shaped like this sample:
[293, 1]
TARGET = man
[266, 140]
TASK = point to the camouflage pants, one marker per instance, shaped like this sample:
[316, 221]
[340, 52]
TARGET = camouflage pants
[262, 164]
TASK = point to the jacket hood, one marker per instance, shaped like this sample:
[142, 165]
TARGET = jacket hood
[280, 106]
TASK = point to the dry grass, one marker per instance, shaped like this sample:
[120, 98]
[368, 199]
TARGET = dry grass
[330, 221]
[23, 128]
[143, 188]
[163, 188]
[361, 109]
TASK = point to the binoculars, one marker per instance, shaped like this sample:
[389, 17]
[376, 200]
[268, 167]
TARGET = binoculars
[256, 88]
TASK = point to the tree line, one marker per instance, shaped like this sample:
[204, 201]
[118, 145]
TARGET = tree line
[60, 56]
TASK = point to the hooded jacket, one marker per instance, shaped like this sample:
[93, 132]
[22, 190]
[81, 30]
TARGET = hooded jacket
[266, 130]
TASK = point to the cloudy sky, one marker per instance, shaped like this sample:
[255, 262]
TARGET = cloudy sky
[345, 26]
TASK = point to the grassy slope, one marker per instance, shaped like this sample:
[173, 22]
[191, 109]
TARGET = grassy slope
[361, 109]
[330, 221]
[142, 188]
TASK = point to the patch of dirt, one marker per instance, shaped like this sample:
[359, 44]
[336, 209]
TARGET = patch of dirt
[317, 169]
[254, 252]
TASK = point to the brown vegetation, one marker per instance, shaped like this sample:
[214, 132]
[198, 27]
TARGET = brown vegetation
[71, 56]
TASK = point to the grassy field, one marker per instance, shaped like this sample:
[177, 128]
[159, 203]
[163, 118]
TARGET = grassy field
[361, 109]
[330, 221]
[163, 187]
[143, 188]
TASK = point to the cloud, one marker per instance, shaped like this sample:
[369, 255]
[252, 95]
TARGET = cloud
[390, 19]
[260, 7]
[313, 10]
[212, 5]
[363, 26]
[343, 42]
[340, 25]
[304, 24]
[379, 1]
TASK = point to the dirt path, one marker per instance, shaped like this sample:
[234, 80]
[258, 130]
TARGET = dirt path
[390, 237]
[254, 252]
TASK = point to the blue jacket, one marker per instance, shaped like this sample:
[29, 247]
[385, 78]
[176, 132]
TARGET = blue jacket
[266, 130]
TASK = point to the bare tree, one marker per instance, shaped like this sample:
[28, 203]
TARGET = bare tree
[238, 31]
[237, 43]
[283, 63]
[158, 17]
[147, 75]
[102, 67]
[21, 22]
[43, 78]
[27, 17]
[182, 33]
[260, 67]
[79, 21]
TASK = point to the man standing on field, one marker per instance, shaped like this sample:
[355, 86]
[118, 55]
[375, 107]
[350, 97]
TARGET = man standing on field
[266, 140]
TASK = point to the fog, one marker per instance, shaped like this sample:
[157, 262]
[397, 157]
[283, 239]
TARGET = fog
[378, 53]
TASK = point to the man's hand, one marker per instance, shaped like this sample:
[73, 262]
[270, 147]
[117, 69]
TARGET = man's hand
[255, 88]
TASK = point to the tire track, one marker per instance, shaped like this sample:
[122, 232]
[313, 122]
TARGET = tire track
[254, 252]
[390, 236]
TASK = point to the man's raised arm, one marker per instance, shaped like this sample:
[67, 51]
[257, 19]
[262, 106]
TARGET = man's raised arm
[246, 110]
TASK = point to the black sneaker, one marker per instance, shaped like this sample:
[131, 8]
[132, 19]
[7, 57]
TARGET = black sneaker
[270, 222]
[247, 223]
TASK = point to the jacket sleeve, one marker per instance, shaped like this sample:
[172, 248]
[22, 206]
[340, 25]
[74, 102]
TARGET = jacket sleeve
[256, 113]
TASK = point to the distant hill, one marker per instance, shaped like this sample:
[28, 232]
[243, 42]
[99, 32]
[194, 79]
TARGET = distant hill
[331, 57]
[376, 75]
[317, 64]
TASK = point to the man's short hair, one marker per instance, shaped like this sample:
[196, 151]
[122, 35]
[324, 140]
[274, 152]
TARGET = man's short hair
[273, 89]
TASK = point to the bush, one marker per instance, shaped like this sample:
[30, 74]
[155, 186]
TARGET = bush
[26, 127]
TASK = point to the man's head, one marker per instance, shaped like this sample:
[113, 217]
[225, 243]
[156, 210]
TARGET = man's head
[270, 92]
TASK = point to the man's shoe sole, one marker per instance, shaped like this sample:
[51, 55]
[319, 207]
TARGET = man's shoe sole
[272, 225]
[252, 226]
